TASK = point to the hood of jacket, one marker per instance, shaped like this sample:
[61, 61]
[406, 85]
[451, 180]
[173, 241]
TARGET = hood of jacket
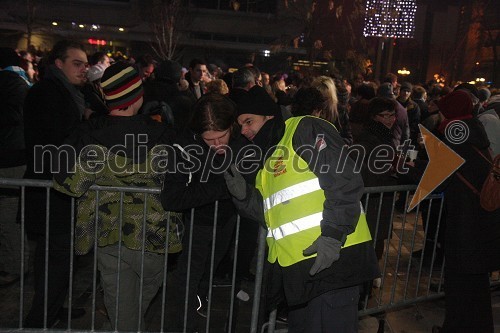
[132, 137]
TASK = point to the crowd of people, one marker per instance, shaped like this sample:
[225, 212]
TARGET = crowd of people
[260, 145]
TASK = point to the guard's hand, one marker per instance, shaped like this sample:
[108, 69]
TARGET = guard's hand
[328, 250]
[236, 184]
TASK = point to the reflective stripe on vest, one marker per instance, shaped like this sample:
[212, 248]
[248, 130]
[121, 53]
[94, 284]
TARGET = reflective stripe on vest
[301, 224]
[291, 192]
[293, 203]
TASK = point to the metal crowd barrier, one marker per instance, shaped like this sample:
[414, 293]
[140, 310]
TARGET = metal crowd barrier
[405, 277]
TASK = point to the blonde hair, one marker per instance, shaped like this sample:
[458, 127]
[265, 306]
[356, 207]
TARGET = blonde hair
[217, 86]
[327, 88]
[278, 85]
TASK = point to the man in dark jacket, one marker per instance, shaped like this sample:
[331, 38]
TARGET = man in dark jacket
[129, 146]
[412, 109]
[319, 244]
[402, 129]
[195, 77]
[166, 88]
[52, 111]
[13, 90]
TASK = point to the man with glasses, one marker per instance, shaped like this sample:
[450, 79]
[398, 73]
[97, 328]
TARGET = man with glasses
[412, 110]
[401, 132]
[52, 111]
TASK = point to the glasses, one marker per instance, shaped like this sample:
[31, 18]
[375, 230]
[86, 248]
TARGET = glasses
[386, 115]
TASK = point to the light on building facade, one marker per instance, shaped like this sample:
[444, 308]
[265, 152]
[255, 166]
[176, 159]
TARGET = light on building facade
[54, 23]
[101, 42]
[390, 18]
[404, 72]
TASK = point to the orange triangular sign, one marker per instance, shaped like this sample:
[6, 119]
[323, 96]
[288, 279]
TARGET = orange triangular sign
[443, 162]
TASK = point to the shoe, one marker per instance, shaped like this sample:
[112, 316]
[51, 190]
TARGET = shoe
[6, 279]
[202, 308]
[75, 313]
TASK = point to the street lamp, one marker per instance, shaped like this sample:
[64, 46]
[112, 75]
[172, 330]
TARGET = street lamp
[404, 72]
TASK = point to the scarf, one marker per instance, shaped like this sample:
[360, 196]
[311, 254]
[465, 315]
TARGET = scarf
[76, 94]
[19, 71]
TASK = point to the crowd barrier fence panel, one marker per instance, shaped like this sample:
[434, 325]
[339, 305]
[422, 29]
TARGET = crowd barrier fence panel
[407, 275]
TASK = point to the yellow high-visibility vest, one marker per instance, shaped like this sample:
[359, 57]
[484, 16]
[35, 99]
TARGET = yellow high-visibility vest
[293, 203]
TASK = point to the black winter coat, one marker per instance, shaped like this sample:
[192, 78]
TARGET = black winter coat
[472, 238]
[50, 116]
[13, 90]
[370, 140]
[197, 181]
[179, 101]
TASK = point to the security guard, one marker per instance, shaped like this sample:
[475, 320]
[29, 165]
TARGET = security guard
[309, 198]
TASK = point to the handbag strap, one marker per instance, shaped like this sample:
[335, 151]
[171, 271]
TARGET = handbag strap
[489, 160]
[467, 183]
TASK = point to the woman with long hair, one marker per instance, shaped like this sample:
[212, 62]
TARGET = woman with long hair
[195, 180]
[332, 112]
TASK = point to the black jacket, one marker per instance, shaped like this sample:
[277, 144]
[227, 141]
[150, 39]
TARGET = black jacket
[195, 180]
[343, 191]
[180, 102]
[370, 139]
[94, 99]
[343, 125]
[50, 116]
[13, 90]
[413, 119]
[472, 236]
[192, 85]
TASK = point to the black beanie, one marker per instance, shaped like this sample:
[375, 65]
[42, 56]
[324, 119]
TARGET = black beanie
[257, 101]
[168, 70]
[8, 57]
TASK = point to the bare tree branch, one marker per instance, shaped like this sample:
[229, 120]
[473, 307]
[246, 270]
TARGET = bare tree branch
[165, 17]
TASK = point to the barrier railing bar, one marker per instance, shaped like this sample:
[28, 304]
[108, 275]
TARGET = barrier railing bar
[94, 278]
[143, 250]
[21, 292]
[46, 268]
[188, 274]
[233, 279]
[212, 268]
[165, 271]
[71, 262]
